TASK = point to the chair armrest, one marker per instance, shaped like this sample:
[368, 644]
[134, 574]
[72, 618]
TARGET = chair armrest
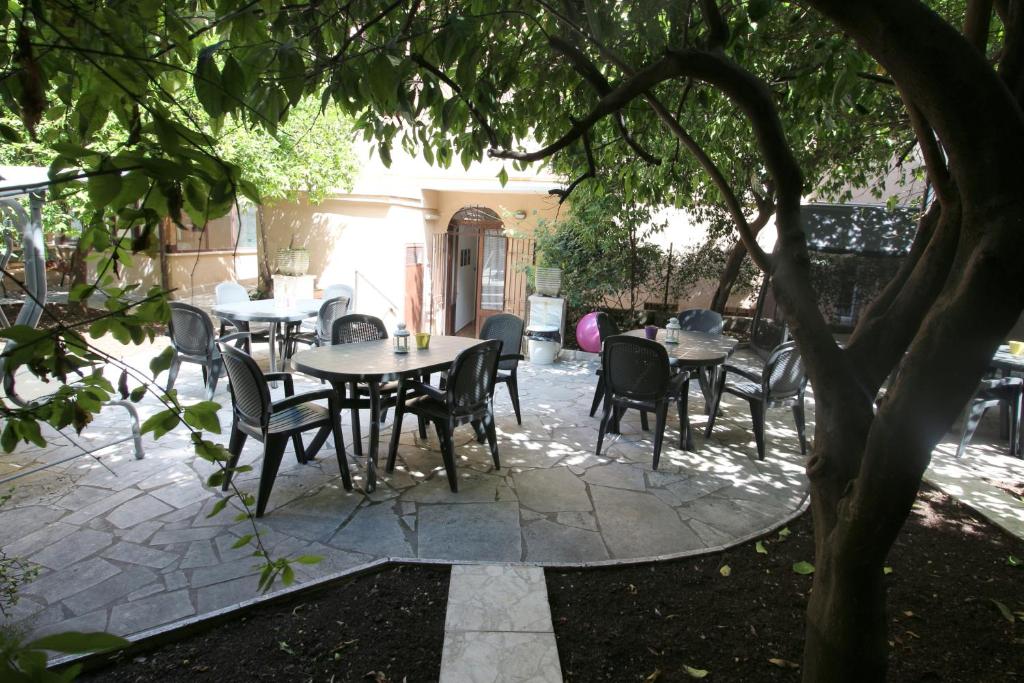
[286, 377]
[512, 356]
[742, 372]
[305, 397]
[418, 387]
[244, 337]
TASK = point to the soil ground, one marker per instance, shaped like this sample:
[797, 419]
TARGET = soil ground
[956, 605]
[385, 627]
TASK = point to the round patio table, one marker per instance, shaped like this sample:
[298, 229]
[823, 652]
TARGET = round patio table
[273, 311]
[374, 363]
[700, 351]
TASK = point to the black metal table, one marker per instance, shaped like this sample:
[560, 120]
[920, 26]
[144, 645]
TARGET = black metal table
[374, 363]
[700, 351]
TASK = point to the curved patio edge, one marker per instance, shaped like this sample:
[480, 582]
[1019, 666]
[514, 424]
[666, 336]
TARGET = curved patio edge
[176, 630]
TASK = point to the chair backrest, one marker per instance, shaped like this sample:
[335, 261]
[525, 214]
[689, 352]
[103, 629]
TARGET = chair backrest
[191, 330]
[332, 291]
[701, 320]
[783, 375]
[635, 368]
[250, 397]
[357, 327]
[769, 328]
[471, 378]
[606, 327]
[330, 310]
[508, 329]
[230, 293]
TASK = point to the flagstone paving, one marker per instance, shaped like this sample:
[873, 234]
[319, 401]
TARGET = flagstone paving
[126, 545]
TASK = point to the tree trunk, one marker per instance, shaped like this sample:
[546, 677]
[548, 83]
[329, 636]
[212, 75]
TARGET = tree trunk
[727, 279]
[266, 279]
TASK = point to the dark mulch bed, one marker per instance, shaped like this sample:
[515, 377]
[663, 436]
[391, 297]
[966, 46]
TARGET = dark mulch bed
[63, 312]
[647, 623]
[382, 627]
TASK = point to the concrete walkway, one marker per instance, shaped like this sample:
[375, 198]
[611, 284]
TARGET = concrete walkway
[498, 627]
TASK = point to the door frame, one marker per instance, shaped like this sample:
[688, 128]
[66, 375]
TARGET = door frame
[471, 219]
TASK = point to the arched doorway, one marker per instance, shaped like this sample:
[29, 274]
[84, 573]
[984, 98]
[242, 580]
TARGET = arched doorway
[476, 269]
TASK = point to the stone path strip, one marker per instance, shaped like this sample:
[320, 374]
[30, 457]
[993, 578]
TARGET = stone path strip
[498, 626]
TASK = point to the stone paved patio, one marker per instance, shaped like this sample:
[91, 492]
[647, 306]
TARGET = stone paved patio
[126, 545]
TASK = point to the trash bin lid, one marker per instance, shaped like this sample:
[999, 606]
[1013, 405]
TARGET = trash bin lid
[542, 328]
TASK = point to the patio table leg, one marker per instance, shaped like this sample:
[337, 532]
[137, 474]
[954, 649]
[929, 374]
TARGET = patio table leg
[371, 458]
[273, 352]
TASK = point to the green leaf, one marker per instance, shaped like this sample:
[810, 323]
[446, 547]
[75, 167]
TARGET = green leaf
[244, 540]
[203, 415]
[503, 176]
[309, 559]
[886, 570]
[293, 73]
[693, 672]
[287, 575]
[758, 9]
[161, 423]
[383, 84]
[1004, 610]
[9, 134]
[75, 642]
[210, 451]
[218, 507]
[725, 570]
[759, 547]
[104, 188]
[137, 394]
[1014, 561]
[784, 533]
[161, 362]
[804, 568]
[207, 82]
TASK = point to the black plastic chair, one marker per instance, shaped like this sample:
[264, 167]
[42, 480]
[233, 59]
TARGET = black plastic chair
[330, 310]
[701, 320]
[637, 375]
[606, 327]
[991, 393]
[194, 341]
[508, 329]
[274, 423]
[783, 382]
[352, 329]
[466, 398]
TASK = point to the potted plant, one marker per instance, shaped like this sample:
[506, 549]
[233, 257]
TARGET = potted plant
[547, 279]
[293, 260]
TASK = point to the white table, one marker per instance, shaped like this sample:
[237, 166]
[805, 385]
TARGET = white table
[271, 311]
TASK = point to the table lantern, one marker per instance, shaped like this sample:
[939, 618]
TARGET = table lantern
[401, 339]
[672, 331]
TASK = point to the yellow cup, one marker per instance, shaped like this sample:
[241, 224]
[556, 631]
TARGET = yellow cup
[422, 340]
[1017, 348]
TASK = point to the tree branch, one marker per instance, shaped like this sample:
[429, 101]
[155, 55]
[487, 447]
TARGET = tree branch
[585, 68]
[443, 77]
[934, 159]
[976, 23]
[590, 172]
[718, 30]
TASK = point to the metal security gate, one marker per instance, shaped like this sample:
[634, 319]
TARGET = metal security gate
[476, 244]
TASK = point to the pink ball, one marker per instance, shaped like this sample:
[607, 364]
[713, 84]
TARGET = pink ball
[587, 335]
